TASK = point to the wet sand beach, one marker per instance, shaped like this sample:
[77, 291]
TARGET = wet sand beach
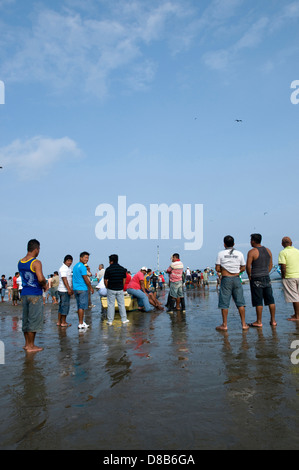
[163, 381]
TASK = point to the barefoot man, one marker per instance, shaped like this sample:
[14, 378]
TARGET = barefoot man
[34, 283]
[230, 263]
[258, 266]
[65, 290]
[289, 264]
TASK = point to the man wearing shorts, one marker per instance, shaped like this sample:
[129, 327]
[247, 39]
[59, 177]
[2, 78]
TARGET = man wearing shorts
[258, 265]
[289, 264]
[176, 295]
[81, 284]
[65, 290]
[230, 263]
[33, 282]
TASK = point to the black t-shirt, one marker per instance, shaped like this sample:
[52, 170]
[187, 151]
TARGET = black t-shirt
[115, 274]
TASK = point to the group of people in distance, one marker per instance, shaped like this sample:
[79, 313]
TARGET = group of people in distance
[229, 264]
[13, 286]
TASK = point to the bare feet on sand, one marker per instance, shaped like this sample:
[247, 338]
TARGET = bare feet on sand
[224, 327]
[32, 348]
[221, 328]
[255, 325]
[293, 318]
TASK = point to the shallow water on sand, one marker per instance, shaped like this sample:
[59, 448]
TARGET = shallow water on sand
[163, 381]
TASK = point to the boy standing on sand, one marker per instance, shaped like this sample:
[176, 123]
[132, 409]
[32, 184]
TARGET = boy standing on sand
[33, 282]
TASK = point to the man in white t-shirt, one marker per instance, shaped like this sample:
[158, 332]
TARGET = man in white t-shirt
[230, 263]
[20, 286]
[65, 290]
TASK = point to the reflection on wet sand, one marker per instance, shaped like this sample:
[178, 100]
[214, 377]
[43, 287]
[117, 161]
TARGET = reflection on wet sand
[166, 381]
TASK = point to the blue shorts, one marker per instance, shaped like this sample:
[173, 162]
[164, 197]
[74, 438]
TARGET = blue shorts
[82, 299]
[64, 303]
[231, 287]
[32, 313]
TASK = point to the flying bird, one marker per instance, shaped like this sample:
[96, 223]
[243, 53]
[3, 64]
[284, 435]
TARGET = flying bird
[238, 120]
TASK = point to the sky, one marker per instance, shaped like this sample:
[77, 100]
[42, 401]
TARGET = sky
[138, 101]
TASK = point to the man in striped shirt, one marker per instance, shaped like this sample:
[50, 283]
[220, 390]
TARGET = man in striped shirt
[176, 295]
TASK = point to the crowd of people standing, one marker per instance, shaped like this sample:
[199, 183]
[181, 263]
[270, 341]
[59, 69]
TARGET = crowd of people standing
[115, 280]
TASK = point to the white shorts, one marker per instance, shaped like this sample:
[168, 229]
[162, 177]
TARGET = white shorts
[291, 289]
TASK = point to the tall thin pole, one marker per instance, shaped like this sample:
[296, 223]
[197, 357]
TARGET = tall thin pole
[158, 258]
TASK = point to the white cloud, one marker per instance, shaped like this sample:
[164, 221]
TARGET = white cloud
[252, 32]
[89, 46]
[217, 60]
[224, 9]
[33, 158]
[67, 47]
[289, 13]
[221, 59]
[4, 3]
[291, 10]
[142, 75]
[253, 36]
